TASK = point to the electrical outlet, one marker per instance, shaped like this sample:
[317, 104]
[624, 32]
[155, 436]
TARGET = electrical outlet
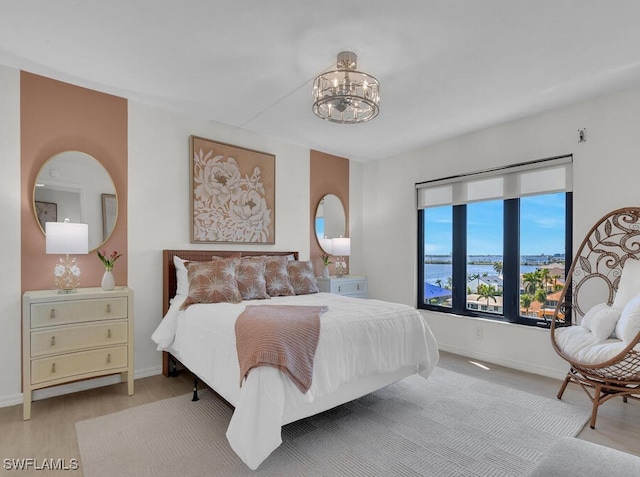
[479, 332]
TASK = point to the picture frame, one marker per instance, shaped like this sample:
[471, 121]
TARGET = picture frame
[46, 212]
[109, 214]
[232, 193]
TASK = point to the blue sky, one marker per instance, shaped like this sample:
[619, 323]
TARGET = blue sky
[542, 227]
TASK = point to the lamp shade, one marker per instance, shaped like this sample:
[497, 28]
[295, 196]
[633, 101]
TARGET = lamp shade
[341, 247]
[67, 237]
[326, 245]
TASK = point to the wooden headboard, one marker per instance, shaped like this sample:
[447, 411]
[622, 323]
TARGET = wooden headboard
[169, 282]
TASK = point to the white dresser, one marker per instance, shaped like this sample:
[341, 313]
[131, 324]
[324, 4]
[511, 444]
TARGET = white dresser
[349, 285]
[75, 336]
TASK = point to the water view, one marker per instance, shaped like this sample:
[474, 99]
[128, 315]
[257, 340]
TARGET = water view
[437, 268]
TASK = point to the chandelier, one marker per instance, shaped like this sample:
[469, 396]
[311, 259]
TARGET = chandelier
[345, 95]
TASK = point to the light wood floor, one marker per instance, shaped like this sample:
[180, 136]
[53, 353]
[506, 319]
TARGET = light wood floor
[51, 431]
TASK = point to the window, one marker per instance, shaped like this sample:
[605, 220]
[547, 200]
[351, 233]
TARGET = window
[495, 244]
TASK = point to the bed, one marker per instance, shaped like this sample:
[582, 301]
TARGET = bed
[363, 346]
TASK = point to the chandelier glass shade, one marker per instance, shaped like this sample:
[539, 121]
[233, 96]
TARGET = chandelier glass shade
[345, 95]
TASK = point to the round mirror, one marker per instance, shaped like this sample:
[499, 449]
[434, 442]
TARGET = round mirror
[331, 221]
[76, 186]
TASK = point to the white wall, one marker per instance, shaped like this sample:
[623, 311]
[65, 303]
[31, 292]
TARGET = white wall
[10, 300]
[158, 206]
[605, 176]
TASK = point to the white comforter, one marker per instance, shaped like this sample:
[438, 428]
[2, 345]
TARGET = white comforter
[359, 338]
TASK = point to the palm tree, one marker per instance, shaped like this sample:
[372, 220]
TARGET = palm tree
[540, 295]
[439, 283]
[486, 292]
[544, 277]
[525, 302]
[530, 282]
[498, 266]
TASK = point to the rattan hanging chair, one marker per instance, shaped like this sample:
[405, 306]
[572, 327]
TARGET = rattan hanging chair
[594, 277]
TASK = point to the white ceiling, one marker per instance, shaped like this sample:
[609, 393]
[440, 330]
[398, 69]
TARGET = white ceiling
[446, 67]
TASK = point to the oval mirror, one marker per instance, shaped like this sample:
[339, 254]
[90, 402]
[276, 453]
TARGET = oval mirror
[331, 221]
[76, 186]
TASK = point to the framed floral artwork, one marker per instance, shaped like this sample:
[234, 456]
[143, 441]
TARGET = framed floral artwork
[232, 193]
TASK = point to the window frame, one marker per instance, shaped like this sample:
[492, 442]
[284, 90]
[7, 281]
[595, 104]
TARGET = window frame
[510, 269]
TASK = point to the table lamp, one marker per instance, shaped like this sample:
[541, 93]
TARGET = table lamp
[66, 238]
[341, 247]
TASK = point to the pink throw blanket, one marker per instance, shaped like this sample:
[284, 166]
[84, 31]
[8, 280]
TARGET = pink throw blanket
[283, 336]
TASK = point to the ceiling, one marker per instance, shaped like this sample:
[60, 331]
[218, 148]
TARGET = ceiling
[446, 67]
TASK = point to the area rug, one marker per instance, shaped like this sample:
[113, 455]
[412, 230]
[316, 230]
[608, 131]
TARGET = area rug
[449, 424]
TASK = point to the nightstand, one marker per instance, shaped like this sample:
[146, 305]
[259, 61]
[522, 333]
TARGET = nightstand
[349, 285]
[74, 336]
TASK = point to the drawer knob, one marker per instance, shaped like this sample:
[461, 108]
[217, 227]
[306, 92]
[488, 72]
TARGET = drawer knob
[53, 341]
[108, 308]
[52, 315]
[339, 290]
[109, 358]
[53, 368]
[358, 286]
[109, 333]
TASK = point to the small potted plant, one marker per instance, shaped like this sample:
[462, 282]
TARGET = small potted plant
[108, 282]
[326, 262]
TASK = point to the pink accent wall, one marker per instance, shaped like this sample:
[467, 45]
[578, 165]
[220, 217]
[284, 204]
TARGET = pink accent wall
[56, 117]
[328, 175]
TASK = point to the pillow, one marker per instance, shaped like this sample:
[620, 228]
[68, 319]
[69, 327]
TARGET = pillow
[601, 320]
[213, 282]
[302, 277]
[250, 278]
[182, 280]
[629, 284]
[629, 322]
[276, 276]
[588, 316]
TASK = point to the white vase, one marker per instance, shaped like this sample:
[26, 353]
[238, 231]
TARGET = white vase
[108, 282]
[325, 272]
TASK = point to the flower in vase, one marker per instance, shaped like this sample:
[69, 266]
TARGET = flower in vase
[108, 261]
[325, 259]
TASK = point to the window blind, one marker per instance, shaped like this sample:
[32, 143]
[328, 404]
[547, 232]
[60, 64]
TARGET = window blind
[517, 180]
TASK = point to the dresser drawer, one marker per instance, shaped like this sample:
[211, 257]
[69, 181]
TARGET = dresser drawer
[72, 338]
[355, 287]
[77, 364]
[77, 311]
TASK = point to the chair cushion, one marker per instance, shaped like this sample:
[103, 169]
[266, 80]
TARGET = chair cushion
[629, 285]
[601, 320]
[628, 325]
[581, 345]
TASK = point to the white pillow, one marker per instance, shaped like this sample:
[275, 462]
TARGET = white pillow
[182, 279]
[629, 285]
[601, 320]
[588, 316]
[629, 322]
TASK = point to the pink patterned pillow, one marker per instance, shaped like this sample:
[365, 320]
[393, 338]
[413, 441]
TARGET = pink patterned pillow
[302, 277]
[213, 282]
[276, 275]
[250, 278]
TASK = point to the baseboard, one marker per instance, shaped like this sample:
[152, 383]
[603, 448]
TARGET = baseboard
[11, 400]
[53, 391]
[506, 362]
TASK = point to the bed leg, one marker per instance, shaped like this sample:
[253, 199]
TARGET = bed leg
[195, 390]
[173, 367]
